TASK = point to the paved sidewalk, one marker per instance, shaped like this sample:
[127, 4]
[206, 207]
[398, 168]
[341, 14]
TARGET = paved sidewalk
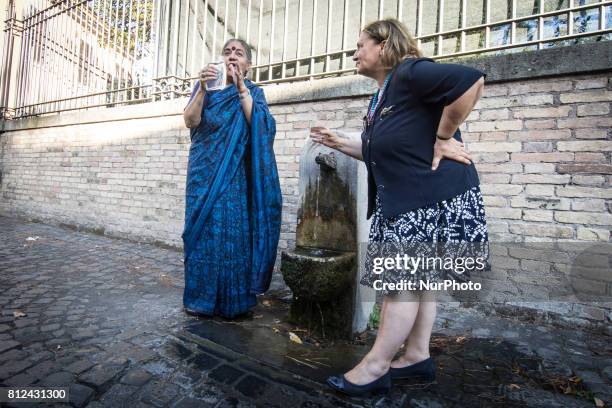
[103, 317]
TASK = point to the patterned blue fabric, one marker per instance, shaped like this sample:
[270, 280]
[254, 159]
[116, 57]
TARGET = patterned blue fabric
[460, 219]
[232, 207]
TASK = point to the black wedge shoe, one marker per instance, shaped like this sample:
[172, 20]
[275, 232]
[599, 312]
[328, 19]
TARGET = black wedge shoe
[422, 371]
[341, 384]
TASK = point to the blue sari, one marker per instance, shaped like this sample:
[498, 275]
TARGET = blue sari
[232, 206]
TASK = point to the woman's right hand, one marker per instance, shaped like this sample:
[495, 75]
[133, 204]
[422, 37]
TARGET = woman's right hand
[206, 74]
[325, 137]
[449, 149]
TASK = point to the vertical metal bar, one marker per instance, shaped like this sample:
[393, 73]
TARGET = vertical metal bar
[27, 46]
[48, 66]
[145, 44]
[194, 36]
[72, 62]
[381, 5]
[214, 46]
[23, 79]
[45, 55]
[186, 22]
[6, 62]
[487, 21]
[440, 26]
[328, 39]
[80, 16]
[540, 25]
[30, 25]
[108, 64]
[116, 67]
[463, 23]
[176, 13]
[272, 33]
[225, 21]
[513, 26]
[51, 66]
[165, 46]
[122, 67]
[129, 95]
[61, 79]
[90, 36]
[79, 70]
[158, 47]
[28, 30]
[100, 61]
[344, 24]
[77, 66]
[38, 55]
[25, 54]
[299, 39]
[204, 32]
[72, 56]
[570, 18]
[135, 54]
[237, 24]
[284, 66]
[400, 9]
[107, 68]
[18, 66]
[51, 79]
[259, 39]
[362, 15]
[313, 37]
[248, 33]
[19, 79]
[57, 55]
[602, 16]
[419, 24]
[43, 42]
[93, 36]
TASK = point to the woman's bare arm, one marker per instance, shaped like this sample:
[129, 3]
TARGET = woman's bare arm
[455, 113]
[452, 117]
[192, 115]
[339, 140]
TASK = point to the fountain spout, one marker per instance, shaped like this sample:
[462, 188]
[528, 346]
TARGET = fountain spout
[327, 161]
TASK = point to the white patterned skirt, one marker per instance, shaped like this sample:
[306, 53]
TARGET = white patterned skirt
[449, 229]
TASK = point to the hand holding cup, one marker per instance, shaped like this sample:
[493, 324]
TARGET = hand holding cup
[208, 73]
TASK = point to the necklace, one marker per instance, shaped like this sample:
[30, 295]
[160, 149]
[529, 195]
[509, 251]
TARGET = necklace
[376, 100]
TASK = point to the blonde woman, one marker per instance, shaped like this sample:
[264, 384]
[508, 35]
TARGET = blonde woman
[422, 187]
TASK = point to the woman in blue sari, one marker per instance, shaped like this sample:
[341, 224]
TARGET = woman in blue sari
[233, 199]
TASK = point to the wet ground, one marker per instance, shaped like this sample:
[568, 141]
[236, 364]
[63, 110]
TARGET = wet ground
[104, 318]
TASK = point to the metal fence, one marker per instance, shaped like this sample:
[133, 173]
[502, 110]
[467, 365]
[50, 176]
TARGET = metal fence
[61, 55]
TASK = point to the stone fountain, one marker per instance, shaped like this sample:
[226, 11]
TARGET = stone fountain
[323, 270]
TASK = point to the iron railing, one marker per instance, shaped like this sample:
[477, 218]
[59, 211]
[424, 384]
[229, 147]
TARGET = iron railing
[73, 54]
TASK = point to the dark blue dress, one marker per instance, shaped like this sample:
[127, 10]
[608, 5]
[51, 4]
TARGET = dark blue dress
[232, 205]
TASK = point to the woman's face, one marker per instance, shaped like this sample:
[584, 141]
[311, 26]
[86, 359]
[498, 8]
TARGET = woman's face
[235, 54]
[367, 57]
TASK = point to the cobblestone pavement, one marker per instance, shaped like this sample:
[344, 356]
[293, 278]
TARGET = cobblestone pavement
[104, 317]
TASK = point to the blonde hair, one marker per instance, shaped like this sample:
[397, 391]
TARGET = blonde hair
[399, 44]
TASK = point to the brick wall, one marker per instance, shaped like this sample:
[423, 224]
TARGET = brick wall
[542, 149]
[121, 178]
